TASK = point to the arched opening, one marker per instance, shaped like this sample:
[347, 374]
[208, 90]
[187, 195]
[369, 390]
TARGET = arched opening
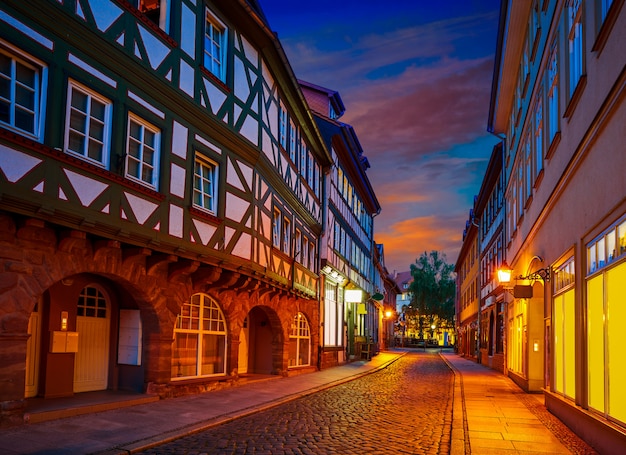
[264, 341]
[199, 347]
[299, 342]
[93, 320]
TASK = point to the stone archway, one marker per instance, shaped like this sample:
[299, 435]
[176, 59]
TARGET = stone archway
[265, 341]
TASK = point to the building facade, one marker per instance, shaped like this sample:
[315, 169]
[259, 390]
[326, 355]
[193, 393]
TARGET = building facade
[489, 213]
[351, 317]
[558, 99]
[160, 201]
[467, 299]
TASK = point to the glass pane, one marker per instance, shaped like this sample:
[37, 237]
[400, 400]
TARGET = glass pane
[616, 321]
[95, 151]
[79, 100]
[133, 149]
[135, 131]
[148, 155]
[4, 112]
[146, 174]
[25, 120]
[77, 142]
[5, 87]
[595, 343]
[303, 357]
[293, 352]
[184, 355]
[149, 138]
[133, 167]
[25, 97]
[25, 75]
[5, 64]
[97, 110]
[96, 130]
[78, 121]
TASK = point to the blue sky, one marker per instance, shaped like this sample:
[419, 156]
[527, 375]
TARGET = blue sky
[415, 77]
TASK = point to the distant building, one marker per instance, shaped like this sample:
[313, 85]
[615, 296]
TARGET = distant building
[559, 102]
[347, 244]
[467, 297]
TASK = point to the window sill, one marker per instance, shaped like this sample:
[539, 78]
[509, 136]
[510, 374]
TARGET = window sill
[607, 26]
[201, 213]
[553, 145]
[216, 80]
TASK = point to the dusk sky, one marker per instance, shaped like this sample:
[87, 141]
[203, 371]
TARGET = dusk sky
[415, 77]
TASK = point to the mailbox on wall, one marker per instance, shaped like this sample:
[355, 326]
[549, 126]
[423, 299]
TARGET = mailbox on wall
[61, 341]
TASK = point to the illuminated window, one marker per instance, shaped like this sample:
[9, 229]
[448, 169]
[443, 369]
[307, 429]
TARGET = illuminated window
[564, 330]
[299, 342]
[199, 346]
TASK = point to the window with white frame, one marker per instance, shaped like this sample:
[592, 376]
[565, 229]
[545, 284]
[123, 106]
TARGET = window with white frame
[142, 151]
[286, 237]
[297, 254]
[575, 40]
[276, 228]
[205, 184]
[282, 127]
[293, 141]
[88, 124]
[299, 342]
[311, 256]
[215, 45]
[563, 322]
[199, 346]
[22, 93]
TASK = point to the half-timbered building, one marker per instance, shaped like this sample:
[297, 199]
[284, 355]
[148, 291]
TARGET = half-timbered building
[160, 200]
[351, 318]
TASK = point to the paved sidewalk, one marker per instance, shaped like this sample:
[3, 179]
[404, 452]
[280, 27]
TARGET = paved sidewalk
[491, 415]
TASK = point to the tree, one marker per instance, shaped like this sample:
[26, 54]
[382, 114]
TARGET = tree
[432, 290]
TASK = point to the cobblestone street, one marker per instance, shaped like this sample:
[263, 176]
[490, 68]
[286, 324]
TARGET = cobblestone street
[405, 408]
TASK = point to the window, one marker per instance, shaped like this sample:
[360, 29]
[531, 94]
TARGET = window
[538, 137]
[142, 154]
[311, 256]
[553, 93]
[91, 303]
[88, 124]
[604, 8]
[276, 231]
[199, 346]
[293, 141]
[575, 39]
[215, 39]
[22, 94]
[564, 331]
[298, 246]
[204, 184]
[606, 318]
[154, 10]
[299, 342]
[333, 316]
[282, 127]
[286, 240]
[607, 248]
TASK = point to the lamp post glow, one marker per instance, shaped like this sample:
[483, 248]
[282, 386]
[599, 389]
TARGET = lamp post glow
[504, 273]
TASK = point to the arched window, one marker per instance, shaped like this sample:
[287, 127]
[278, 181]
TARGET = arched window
[299, 342]
[199, 347]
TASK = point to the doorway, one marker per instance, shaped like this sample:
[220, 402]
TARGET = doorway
[93, 318]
